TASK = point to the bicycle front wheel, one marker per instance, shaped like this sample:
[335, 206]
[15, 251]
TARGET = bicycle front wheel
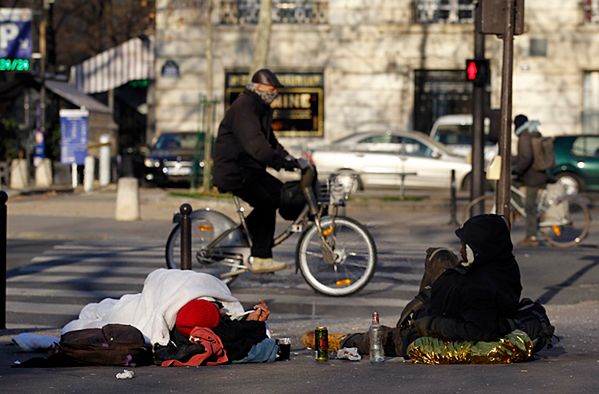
[202, 233]
[352, 263]
[566, 223]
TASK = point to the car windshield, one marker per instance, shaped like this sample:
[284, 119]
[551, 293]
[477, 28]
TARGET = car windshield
[454, 134]
[169, 141]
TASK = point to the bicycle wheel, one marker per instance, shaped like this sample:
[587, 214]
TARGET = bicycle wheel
[354, 257]
[490, 207]
[202, 233]
[489, 201]
[565, 224]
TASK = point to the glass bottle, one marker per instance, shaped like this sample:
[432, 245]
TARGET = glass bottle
[375, 334]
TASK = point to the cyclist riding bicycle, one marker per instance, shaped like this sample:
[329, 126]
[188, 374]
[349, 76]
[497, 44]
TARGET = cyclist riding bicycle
[245, 146]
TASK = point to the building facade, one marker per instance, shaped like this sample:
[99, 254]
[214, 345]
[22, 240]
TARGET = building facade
[355, 65]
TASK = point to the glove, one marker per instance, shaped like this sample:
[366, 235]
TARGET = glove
[423, 325]
[290, 163]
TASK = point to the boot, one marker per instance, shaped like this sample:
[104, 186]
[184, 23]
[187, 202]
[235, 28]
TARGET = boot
[529, 241]
[260, 265]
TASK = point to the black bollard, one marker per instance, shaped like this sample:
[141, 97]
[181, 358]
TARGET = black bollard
[453, 203]
[185, 224]
[3, 199]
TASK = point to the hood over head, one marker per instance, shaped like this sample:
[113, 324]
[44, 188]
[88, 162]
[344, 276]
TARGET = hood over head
[488, 235]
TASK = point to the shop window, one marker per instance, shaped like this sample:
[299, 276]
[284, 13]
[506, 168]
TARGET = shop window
[444, 11]
[240, 12]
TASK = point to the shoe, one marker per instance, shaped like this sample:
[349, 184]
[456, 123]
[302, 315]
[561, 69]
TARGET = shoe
[259, 265]
[529, 241]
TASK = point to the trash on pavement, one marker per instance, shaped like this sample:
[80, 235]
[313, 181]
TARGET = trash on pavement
[126, 374]
[349, 353]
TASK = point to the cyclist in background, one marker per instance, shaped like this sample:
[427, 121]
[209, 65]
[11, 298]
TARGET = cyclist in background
[533, 180]
[245, 146]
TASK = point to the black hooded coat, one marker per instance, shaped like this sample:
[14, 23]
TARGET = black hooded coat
[474, 303]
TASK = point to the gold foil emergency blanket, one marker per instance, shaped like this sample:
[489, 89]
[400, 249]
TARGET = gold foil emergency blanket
[514, 347]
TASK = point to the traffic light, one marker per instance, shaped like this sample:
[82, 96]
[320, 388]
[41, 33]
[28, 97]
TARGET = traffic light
[477, 71]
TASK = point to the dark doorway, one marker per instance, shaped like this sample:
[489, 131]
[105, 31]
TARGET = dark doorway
[437, 93]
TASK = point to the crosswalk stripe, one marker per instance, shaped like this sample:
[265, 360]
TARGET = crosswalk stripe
[76, 272]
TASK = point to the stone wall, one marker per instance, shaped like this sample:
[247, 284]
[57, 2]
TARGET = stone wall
[368, 53]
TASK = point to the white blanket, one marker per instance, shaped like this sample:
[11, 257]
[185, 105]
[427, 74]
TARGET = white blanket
[154, 310]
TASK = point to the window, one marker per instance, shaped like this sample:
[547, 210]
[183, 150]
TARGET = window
[240, 12]
[591, 11]
[444, 11]
[586, 146]
[412, 147]
[590, 102]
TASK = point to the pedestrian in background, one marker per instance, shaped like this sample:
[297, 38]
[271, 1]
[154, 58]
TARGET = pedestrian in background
[532, 180]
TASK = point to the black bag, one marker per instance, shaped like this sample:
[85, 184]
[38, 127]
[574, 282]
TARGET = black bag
[113, 344]
[532, 318]
[292, 200]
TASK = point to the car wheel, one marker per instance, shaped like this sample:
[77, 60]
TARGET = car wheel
[571, 182]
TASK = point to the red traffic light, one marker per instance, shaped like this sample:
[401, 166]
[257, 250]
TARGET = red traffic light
[471, 70]
[477, 71]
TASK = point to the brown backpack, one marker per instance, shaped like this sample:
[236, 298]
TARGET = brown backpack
[113, 344]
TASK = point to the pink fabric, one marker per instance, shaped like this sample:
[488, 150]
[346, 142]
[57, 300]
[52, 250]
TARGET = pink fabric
[215, 352]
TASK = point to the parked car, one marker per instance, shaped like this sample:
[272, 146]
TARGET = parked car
[455, 132]
[171, 158]
[577, 162]
[380, 159]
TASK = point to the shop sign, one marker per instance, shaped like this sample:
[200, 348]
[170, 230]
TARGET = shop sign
[299, 108]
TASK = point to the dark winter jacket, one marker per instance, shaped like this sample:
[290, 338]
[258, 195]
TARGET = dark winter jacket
[245, 144]
[474, 303]
[523, 166]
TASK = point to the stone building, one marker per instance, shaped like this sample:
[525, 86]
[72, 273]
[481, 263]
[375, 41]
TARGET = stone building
[352, 65]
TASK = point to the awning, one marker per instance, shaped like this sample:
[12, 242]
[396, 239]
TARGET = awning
[130, 61]
[76, 97]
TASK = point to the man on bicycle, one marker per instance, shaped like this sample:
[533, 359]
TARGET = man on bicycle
[532, 179]
[245, 146]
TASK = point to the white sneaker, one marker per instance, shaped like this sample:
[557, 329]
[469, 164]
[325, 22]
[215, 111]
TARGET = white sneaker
[260, 265]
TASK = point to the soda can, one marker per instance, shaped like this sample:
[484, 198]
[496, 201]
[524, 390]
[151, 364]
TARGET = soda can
[321, 336]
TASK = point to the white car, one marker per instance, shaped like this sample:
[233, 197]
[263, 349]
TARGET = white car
[382, 159]
[455, 132]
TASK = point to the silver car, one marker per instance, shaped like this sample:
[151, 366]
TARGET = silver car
[385, 159]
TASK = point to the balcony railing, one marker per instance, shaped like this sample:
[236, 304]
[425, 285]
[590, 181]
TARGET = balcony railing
[444, 11]
[590, 9]
[243, 12]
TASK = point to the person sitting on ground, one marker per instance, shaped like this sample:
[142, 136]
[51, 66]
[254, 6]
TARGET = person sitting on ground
[470, 301]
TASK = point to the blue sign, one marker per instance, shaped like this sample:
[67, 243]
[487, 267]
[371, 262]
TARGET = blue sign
[15, 33]
[73, 136]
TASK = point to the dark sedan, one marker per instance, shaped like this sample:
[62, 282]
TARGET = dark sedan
[171, 158]
[577, 162]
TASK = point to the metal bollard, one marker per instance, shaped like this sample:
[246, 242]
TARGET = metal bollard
[453, 204]
[3, 199]
[185, 224]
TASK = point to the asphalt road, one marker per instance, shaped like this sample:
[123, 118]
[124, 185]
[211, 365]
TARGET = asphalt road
[66, 250]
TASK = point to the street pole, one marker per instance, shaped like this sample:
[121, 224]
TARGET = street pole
[478, 118]
[207, 173]
[505, 139]
[42, 34]
[3, 226]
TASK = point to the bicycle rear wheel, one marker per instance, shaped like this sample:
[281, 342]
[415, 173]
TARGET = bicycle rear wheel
[202, 233]
[569, 227]
[352, 265]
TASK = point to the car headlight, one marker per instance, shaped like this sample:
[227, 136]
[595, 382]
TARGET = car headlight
[152, 163]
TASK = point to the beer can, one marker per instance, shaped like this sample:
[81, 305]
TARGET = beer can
[321, 336]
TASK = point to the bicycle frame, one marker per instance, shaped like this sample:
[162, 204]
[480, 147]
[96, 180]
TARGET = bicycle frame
[312, 212]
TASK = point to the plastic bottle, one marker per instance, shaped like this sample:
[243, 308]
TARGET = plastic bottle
[375, 333]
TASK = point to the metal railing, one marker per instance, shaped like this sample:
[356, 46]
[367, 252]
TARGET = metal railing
[444, 11]
[590, 9]
[247, 12]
